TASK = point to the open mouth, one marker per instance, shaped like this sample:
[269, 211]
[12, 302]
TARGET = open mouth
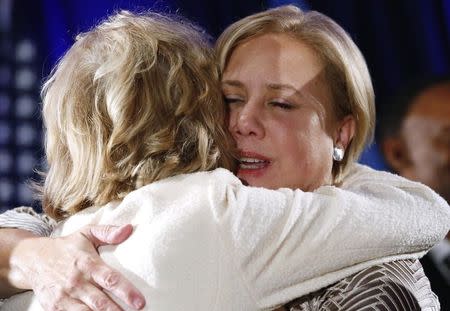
[252, 163]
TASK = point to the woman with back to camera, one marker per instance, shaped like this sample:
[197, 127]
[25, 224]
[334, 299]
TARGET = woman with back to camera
[264, 113]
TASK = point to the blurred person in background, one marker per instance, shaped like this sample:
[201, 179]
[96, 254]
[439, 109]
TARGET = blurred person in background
[414, 135]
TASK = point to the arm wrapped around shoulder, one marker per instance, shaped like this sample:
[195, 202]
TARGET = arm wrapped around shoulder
[421, 216]
[306, 241]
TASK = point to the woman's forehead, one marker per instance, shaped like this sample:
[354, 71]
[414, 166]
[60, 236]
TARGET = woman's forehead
[274, 59]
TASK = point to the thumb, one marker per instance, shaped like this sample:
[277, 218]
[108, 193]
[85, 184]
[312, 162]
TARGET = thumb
[107, 234]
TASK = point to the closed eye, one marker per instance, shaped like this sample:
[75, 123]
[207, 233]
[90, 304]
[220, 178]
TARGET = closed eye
[282, 105]
[232, 100]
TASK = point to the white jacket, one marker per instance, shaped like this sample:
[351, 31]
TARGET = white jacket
[204, 241]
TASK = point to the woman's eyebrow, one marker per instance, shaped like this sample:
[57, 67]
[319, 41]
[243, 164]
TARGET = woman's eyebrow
[287, 87]
[235, 83]
[281, 86]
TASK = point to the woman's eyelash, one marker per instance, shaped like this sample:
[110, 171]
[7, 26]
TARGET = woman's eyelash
[282, 105]
[231, 100]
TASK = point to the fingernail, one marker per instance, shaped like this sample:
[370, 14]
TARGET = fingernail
[125, 226]
[138, 303]
[120, 229]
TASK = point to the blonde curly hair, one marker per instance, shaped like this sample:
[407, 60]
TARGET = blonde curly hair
[346, 70]
[134, 100]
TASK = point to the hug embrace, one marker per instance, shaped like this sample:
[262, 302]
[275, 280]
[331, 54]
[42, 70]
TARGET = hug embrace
[234, 167]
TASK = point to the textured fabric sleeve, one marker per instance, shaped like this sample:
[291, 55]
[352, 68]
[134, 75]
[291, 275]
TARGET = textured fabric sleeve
[289, 243]
[398, 285]
[27, 219]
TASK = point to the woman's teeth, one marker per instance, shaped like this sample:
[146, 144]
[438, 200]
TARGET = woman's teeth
[251, 163]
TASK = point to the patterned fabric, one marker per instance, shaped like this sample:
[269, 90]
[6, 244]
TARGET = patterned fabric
[395, 286]
[27, 219]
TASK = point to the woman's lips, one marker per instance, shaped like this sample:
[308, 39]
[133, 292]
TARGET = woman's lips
[252, 164]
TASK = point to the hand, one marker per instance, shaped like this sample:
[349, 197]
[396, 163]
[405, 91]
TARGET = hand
[67, 273]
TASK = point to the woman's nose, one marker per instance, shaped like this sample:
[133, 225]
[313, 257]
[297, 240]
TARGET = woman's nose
[246, 120]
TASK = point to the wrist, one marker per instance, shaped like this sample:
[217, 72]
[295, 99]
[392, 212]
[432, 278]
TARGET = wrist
[22, 261]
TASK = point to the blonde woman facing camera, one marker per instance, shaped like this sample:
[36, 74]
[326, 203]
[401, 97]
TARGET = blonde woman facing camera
[201, 239]
[301, 111]
[299, 92]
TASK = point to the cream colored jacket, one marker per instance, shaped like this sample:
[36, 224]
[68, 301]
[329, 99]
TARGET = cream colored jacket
[205, 242]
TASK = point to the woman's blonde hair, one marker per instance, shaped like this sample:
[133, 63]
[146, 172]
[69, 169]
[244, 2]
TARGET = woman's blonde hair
[345, 68]
[134, 100]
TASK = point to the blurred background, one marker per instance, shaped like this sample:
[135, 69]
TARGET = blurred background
[400, 39]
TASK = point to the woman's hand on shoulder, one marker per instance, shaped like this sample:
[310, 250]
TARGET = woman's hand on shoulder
[67, 273]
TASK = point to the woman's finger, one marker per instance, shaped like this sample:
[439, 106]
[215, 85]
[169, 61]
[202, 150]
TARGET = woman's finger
[111, 280]
[119, 286]
[94, 298]
[70, 304]
[57, 299]
[105, 234]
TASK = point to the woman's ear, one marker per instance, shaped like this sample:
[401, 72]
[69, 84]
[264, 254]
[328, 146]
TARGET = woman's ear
[345, 131]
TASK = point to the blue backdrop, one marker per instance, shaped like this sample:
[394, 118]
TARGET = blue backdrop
[400, 39]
